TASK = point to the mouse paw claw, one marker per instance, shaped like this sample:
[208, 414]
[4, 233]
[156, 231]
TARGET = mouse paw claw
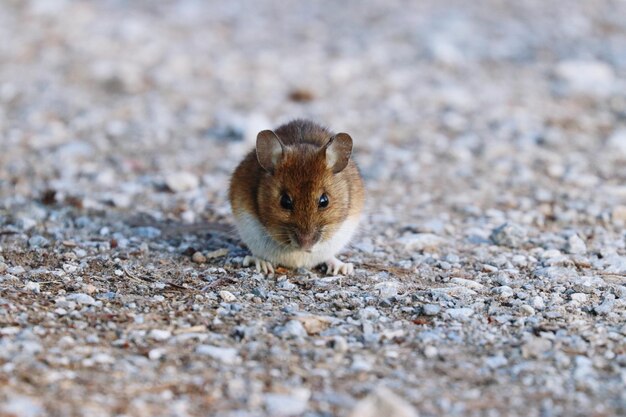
[261, 265]
[336, 267]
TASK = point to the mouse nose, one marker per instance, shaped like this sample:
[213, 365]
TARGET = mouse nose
[306, 240]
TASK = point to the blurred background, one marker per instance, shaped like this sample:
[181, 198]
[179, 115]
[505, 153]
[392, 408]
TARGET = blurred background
[121, 118]
[102, 100]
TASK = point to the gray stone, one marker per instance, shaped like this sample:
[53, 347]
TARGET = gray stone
[461, 314]
[147, 232]
[159, 334]
[607, 305]
[383, 402]
[38, 241]
[228, 356]
[82, 298]
[503, 291]
[387, 289]
[431, 309]
[420, 241]
[575, 245]
[509, 234]
[369, 313]
[292, 329]
[294, 403]
[586, 77]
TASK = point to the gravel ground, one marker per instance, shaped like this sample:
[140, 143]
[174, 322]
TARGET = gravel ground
[490, 268]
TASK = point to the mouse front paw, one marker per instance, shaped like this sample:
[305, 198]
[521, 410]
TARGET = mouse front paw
[261, 265]
[335, 266]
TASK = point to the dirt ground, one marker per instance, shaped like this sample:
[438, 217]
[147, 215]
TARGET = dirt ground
[491, 261]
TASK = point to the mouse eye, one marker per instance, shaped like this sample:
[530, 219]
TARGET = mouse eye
[286, 202]
[323, 202]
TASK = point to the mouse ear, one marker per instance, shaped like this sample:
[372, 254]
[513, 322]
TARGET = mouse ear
[269, 150]
[338, 151]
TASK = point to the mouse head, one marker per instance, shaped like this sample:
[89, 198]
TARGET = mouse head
[304, 193]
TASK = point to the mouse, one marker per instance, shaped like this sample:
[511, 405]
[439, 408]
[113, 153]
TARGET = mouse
[297, 198]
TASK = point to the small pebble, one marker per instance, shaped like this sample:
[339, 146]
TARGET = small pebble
[509, 234]
[383, 402]
[16, 270]
[431, 309]
[181, 181]
[461, 314]
[420, 241]
[575, 245]
[538, 303]
[198, 258]
[228, 356]
[607, 305]
[292, 329]
[82, 298]
[430, 352]
[579, 297]
[285, 405]
[33, 286]
[159, 334]
[503, 291]
[38, 241]
[227, 296]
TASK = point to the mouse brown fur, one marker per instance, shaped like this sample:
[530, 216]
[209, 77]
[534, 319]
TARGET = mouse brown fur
[297, 198]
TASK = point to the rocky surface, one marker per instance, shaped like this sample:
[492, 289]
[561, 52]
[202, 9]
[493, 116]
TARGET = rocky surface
[490, 268]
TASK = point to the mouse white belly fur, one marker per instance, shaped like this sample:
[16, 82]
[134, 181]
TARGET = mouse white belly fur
[262, 246]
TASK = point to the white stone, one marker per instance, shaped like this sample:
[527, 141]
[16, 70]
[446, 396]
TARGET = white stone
[461, 314]
[16, 270]
[159, 334]
[383, 402]
[607, 305]
[103, 358]
[156, 354]
[369, 313]
[586, 77]
[315, 324]
[81, 298]
[430, 351]
[291, 404]
[225, 355]
[181, 181]
[575, 245]
[504, 291]
[579, 297]
[387, 289]
[456, 291]
[227, 296]
[535, 347]
[293, 328]
[538, 303]
[614, 264]
[33, 286]
[468, 283]
[420, 241]
[21, 405]
[509, 234]
[617, 143]
[431, 309]
[496, 361]
[619, 215]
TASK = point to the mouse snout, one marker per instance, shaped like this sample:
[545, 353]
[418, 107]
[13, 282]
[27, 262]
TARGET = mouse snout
[307, 239]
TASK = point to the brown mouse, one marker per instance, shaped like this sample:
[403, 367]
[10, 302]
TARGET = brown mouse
[297, 198]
